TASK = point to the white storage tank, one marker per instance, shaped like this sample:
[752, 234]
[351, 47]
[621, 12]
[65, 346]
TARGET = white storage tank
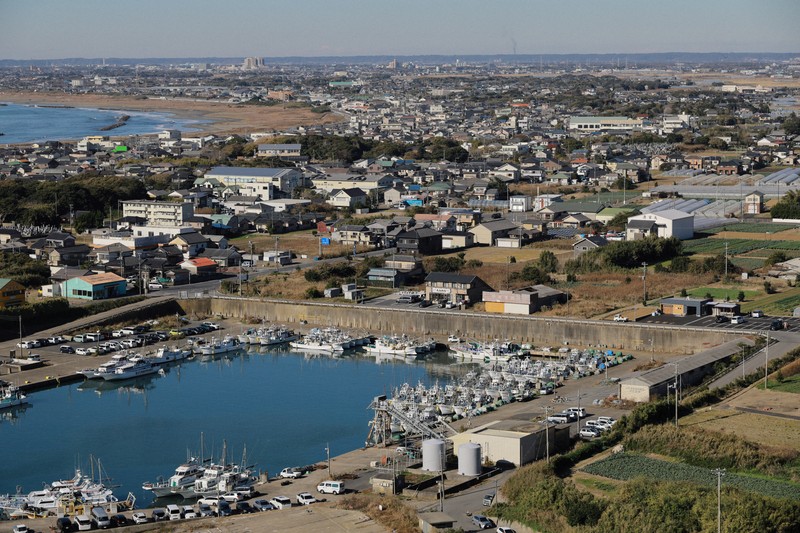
[469, 459]
[433, 455]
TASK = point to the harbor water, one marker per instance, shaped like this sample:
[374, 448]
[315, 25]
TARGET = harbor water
[284, 407]
[29, 123]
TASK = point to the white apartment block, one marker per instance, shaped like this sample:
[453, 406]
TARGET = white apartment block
[167, 214]
[258, 181]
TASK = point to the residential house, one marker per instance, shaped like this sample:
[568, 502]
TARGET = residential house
[437, 222]
[588, 243]
[489, 232]
[190, 244]
[200, 267]
[279, 150]
[424, 241]
[348, 198]
[353, 234]
[68, 256]
[110, 252]
[228, 257]
[457, 288]
[12, 293]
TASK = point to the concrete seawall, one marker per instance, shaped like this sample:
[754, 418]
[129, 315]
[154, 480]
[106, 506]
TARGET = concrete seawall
[539, 331]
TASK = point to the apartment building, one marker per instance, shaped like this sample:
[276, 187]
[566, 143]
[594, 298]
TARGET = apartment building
[261, 182]
[169, 214]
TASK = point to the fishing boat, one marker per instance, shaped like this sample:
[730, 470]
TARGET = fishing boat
[166, 355]
[133, 369]
[11, 396]
[184, 477]
[216, 347]
[277, 335]
[106, 368]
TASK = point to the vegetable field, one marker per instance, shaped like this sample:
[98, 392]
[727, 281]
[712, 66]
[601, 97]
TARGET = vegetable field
[751, 228]
[625, 466]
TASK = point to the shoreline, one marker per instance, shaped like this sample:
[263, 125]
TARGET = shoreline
[218, 117]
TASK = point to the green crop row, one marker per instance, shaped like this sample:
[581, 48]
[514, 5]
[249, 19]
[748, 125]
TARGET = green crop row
[625, 466]
[751, 228]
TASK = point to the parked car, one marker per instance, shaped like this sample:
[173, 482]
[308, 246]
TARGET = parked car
[620, 318]
[482, 522]
[425, 303]
[224, 509]
[154, 286]
[757, 313]
[66, 349]
[589, 433]
[213, 325]
[488, 499]
[738, 319]
[233, 497]
[27, 345]
[244, 508]
[205, 510]
[607, 419]
[58, 339]
[83, 351]
[579, 411]
[119, 520]
[305, 498]
[159, 515]
[281, 502]
[720, 319]
[331, 487]
[21, 528]
[64, 524]
[213, 501]
[139, 518]
[503, 529]
[189, 512]
[291, 473]
[263, 505]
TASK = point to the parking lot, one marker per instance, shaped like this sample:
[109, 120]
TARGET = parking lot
[750, 324]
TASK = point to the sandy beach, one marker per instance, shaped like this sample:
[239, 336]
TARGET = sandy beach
[221, 117]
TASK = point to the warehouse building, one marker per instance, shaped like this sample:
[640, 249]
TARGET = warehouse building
[652, 384]
[515, 441]
[523, 301]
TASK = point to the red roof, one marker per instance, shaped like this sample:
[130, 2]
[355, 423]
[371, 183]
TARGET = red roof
[201, 262]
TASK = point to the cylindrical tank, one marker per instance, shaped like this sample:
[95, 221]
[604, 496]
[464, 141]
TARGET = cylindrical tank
[469, 459]
[433, 455]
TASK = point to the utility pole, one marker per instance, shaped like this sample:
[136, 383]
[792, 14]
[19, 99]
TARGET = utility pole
[726, 260]
[766, 361]
[675, 386]
[644, 284]
[719, 472]
[547, 410]
[328, 452]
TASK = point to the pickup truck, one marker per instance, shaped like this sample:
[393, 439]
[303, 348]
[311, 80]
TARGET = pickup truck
[291, 473]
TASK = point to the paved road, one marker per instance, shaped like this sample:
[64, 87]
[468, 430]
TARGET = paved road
[787, 340]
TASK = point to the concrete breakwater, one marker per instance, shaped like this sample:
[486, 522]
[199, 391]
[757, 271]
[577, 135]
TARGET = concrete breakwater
[540, 331]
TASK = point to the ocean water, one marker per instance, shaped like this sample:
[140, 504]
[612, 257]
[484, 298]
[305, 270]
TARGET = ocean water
[28, 123]
[285, 407]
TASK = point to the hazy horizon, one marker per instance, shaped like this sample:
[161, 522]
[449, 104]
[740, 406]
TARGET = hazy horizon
[50, 29]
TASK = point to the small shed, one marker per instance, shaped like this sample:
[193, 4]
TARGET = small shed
[436, 521]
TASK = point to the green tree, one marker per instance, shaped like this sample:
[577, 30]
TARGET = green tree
[740, 296]
[548, 262]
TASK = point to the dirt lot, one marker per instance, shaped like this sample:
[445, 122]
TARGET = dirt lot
[764, 430]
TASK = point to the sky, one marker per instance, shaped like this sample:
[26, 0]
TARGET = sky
[55, 29]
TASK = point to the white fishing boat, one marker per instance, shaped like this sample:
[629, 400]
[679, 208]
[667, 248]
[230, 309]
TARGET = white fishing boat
[106, 368]
[217, 347]
[277, 335]
[184, 477]
[131, 370]
[166, 355]
[11, 396]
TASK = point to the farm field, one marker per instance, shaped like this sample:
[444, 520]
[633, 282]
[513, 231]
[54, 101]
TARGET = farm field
[790, 385]
[752, 227]
[625, 466]
[764, 430]
[716, 245]
[779, 304]
[720, 293]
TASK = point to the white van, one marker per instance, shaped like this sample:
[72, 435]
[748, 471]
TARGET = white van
[83, 522]
[579, 411]
[738, 319]
[100, 517]
[173, 512]
[331, 487]
[559, 418]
